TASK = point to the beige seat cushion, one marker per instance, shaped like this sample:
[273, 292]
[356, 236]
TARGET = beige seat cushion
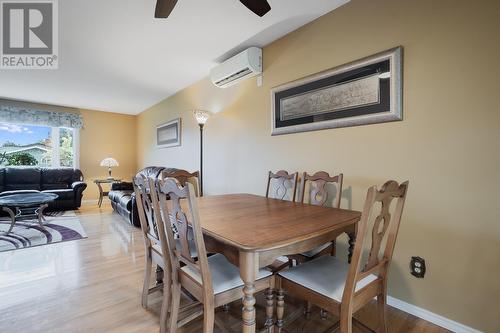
[225, 276]
[325, 275]
[315, 251]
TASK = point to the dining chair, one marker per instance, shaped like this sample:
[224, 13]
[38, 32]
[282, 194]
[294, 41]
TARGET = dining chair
[213, 280]
[341, 288]
[182, 176]
[284, 183]
[155, 241]
[316, 190]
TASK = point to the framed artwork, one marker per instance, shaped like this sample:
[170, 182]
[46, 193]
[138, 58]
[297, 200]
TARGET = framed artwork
[169, 134]
[366, 91]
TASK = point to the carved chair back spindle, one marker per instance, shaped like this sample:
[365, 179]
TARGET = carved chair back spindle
[184, 176]
[151, 226]
[284, 183]
[318, 191]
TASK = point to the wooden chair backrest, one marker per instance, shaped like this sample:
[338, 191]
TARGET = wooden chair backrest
[184, 176]
[145, 208]
[318, 191]
[281, 189]
[384, 222]
[152, 224]
[182, 215]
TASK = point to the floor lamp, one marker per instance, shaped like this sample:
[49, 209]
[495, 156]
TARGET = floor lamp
[201, 117]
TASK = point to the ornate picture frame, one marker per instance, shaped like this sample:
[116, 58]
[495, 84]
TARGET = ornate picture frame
[169, 134]
[365, 91]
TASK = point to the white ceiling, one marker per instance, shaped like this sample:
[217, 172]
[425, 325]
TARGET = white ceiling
[114, 56]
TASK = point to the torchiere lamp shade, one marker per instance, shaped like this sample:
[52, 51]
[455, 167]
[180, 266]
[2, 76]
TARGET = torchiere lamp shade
[201, 116]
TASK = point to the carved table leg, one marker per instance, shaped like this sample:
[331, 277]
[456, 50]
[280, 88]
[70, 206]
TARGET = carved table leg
[248, 271]
[352, 241]
[39, 213]
[12, 218]
[280, 309]
[269, 309]
[101, 194]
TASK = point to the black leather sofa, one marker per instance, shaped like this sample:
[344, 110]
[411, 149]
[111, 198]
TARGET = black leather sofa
[67, 183]
[122, 194]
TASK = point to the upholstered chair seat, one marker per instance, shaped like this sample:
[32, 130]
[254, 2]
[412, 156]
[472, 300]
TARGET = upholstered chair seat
[225, 276]
[325, 275]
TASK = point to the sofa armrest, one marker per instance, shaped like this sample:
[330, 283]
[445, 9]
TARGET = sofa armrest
[78, 188]
[79, 185]
[122, 186]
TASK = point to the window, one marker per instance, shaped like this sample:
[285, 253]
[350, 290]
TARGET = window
[42, 146]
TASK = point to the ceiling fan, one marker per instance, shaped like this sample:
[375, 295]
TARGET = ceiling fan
[165, 7]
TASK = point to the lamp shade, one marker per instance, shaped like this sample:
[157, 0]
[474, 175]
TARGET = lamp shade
[109, 162]
[201, 116]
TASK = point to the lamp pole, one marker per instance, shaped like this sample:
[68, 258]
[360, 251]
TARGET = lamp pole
[201, 118]
[201, 159]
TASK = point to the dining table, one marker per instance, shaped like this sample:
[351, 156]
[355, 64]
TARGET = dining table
[251, 231]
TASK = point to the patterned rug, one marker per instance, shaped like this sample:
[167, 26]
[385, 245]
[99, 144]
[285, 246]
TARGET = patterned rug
[60, 227]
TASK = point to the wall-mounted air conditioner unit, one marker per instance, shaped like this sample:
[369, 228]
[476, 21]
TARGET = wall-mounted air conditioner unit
[240, 67]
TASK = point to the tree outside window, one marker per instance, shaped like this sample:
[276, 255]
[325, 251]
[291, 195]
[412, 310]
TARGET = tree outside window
[33, 145]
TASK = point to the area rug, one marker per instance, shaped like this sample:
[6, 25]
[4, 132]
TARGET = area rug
[60, 227]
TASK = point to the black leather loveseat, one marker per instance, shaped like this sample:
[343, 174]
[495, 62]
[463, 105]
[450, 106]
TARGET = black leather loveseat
[67, 183]
[122, 194]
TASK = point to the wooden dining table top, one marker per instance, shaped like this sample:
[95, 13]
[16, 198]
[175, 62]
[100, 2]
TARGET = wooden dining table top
[256, 223]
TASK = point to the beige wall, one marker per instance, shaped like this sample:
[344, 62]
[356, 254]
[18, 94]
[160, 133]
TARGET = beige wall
[447, 145]
[106, 135]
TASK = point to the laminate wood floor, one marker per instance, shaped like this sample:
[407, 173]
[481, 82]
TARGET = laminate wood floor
[94, 285]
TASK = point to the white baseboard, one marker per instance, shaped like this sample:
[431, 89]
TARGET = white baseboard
[430, 316]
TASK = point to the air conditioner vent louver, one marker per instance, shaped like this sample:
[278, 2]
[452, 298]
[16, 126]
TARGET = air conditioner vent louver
[242, 66]
[233, 77]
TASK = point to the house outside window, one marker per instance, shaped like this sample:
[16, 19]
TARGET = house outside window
[43, 146]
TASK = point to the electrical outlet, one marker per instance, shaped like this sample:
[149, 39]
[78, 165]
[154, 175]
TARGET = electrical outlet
[417, 267]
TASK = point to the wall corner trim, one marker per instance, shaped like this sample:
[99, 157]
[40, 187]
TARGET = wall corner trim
[430, 316]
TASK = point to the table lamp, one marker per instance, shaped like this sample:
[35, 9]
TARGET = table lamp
[109, 162]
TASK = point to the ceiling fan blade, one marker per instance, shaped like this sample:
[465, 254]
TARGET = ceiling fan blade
[259, 7]
[164, 8]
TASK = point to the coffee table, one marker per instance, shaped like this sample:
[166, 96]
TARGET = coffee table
[26, 206]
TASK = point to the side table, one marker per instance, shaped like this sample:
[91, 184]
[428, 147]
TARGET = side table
[103, 193]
